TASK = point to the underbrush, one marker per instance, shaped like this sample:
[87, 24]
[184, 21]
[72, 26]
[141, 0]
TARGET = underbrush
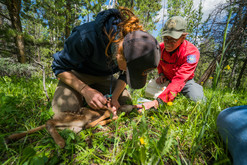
[182, 133]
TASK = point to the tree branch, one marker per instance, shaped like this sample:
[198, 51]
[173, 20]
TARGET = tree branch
[3, 2]
[4, 16]
[6, 51]
[43, 70]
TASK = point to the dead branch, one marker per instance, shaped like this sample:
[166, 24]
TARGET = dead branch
[43, 70]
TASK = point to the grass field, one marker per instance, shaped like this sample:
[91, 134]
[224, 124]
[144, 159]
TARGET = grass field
[182, 133]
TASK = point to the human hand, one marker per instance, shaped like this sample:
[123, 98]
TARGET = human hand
[114, 106]
[94, 98]
[161, 79]
[147, 105]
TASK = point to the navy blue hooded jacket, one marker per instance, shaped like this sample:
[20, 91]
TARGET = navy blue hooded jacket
[84, 50]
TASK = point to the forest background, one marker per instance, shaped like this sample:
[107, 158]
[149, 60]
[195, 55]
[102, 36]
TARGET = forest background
[31, 31]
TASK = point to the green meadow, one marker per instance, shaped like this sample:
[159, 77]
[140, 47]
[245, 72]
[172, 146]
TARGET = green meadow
[179, 133]
[183, 132]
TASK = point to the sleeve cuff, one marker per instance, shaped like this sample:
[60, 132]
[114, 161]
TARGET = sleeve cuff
[122, 76]
[161, 74]
[161, 102]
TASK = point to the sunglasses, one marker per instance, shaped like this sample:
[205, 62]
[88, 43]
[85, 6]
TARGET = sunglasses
[167, 40]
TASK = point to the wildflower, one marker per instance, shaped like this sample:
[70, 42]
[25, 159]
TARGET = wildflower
[211, 77]
[169, 103]
[142, 140]
[228, 67]
[152, 117]
[236, 101]
[202, 83]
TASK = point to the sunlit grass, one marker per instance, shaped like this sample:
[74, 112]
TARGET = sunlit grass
[171, 135]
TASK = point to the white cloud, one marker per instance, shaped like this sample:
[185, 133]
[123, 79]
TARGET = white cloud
[207, 7]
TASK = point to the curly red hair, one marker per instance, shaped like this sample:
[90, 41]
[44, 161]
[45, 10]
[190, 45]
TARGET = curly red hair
[129, 23]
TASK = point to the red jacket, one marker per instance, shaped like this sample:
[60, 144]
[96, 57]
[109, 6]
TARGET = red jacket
[178, 68]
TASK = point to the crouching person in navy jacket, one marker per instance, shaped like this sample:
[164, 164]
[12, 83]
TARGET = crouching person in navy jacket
[114, 43]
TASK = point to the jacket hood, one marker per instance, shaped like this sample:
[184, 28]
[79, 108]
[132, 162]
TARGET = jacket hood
[108, 19]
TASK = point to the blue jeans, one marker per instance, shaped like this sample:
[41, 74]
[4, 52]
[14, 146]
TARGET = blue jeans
[232, 126]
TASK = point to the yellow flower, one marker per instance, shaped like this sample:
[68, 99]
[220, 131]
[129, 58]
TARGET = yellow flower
[236, 101]
[211, 78]
[202, 83]
[142, 140]
[152, 117]
[169, 103]
[228, 67]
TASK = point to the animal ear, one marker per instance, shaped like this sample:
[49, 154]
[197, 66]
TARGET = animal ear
[126, 108]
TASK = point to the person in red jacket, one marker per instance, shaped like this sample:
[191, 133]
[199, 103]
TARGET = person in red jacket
[177, 65]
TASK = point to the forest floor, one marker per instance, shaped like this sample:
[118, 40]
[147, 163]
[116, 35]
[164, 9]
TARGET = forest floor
[181, 133]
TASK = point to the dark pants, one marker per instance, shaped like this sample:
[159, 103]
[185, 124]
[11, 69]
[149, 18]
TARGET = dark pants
[66, 99]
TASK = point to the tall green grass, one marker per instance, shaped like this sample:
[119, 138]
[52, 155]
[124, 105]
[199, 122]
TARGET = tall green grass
[170, 135]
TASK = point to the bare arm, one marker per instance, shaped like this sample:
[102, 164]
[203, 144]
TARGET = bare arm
[147, 105]
[71, 80]
[94, 98]
[118, 89]
[115, 95]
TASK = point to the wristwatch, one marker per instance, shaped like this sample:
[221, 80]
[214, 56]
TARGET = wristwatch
[161, 102]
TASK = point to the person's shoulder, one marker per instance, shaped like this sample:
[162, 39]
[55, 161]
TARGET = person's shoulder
[103, 15]
[189, 45]
[190, 48]
[85, 28]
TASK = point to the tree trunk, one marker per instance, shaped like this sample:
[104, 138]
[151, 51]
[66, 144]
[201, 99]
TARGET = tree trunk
[148, 17]
[241, 73]
[1, 25]
[68, 19]
[132, 4]
[209, 70]
[1, 17]
[20, 45]
[14, 7]
[112, 4]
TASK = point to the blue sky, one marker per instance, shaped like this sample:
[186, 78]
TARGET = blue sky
[208, 7]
